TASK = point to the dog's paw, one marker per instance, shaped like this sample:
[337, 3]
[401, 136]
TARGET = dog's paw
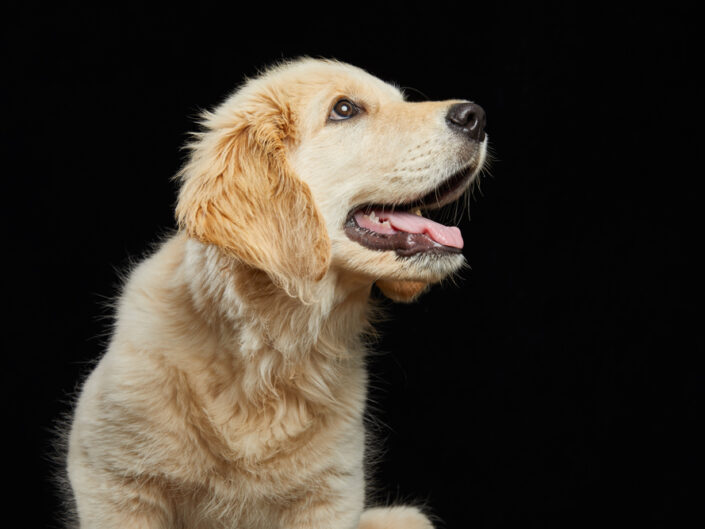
[400, 517]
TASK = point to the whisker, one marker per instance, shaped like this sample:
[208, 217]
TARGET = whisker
[419, 92]
[457, 212]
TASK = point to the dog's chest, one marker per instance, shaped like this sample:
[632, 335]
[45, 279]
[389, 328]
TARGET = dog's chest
[286, 473]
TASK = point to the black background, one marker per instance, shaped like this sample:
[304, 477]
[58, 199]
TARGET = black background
[558, 384]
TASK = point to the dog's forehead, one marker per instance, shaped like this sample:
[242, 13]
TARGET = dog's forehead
[353, 80]
[338, 78]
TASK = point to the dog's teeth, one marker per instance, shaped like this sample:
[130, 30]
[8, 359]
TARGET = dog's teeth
[417, 212]
[374, 218]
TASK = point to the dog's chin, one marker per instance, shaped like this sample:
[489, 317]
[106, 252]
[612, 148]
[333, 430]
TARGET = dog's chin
[430, 267]
[427, 267]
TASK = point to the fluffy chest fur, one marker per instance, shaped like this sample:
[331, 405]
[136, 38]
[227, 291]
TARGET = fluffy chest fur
[219, 399]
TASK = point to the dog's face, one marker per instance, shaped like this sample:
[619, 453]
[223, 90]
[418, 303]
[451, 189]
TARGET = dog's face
[374, 162]
[362, 165]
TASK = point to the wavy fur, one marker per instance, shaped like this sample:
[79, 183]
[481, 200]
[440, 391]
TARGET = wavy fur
[233, 390]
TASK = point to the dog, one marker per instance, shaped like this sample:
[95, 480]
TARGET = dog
[233, 389]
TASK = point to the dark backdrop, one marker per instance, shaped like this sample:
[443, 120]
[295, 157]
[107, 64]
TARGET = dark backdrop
[558, 384]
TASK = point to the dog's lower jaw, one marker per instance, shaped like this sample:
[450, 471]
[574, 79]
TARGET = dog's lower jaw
[375, 265]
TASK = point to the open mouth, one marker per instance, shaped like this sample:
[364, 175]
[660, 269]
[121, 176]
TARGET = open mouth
[402, 228]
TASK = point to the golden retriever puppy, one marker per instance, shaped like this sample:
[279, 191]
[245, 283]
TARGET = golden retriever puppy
[233, 390]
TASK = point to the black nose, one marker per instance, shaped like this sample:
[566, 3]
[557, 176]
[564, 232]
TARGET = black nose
[467, 118]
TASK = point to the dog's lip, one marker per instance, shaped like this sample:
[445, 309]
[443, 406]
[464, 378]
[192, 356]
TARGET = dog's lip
[438, 197]
[404, 243]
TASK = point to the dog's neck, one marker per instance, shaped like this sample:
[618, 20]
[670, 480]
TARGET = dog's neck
[261, 362]
[238, 300]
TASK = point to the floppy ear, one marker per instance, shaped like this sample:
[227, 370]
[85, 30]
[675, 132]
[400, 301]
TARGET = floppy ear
[402, 291]
[239, 193]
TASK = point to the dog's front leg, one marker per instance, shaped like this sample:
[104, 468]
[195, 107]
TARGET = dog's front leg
[334, 499]
[343, 512]
[399, 517]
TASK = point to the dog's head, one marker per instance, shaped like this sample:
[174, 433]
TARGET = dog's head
[317, 165]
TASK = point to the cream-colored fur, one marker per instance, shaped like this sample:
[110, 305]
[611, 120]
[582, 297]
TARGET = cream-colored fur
[232, 392]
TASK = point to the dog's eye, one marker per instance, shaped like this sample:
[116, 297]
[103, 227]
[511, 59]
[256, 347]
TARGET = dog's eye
[343, 109]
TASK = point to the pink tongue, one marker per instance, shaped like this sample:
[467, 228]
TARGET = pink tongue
[388, 222]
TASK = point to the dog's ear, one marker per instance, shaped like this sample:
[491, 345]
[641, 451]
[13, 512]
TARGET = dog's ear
[239, 192]
[402, 291]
